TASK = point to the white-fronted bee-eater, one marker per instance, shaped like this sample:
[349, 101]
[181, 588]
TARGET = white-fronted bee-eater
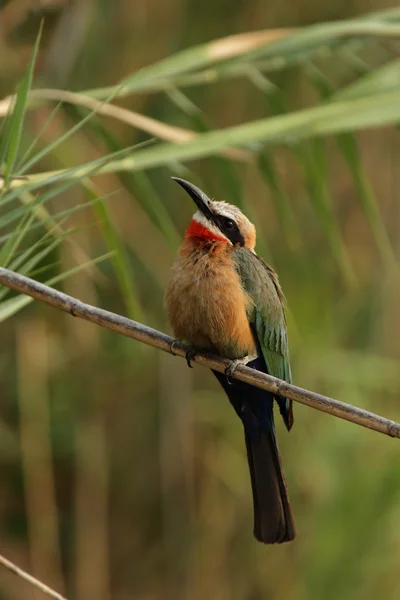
[224, 298]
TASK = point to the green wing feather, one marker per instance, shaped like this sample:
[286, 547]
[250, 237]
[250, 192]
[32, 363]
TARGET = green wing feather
[267, 316]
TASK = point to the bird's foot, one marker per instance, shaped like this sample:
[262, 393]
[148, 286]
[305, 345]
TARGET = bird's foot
[233, 365]
[190, 354]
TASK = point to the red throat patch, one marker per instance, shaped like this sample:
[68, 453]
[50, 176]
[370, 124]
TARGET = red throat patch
[197, 230]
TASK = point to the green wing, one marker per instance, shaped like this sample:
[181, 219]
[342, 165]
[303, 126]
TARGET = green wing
[267, 317]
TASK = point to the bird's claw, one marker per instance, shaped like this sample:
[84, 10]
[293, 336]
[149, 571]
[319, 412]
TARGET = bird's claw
[190, 354]
[231, 368]
[172, 347]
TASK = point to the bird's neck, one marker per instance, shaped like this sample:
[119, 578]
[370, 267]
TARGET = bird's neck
[198, 231]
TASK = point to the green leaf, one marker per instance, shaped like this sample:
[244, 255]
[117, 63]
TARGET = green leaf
[74, 174]
[35, 141]
[281, 201]
[10, 307]
[18, 113]
[24, 265]
[333, 118]
[386, 78]
[367, 198]
[120, 259]
[183, 68]
[141, 188]
[314, 167]
[350, 151]
[10, 247]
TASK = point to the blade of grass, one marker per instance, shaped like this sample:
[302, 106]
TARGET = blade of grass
[333, 118]
[192, 59]
[120, 259]
[309, 39]
[18, 114]
[140, 187]
[25, 266]
[10, 247]
[311, 158]
[10, 307]
[281, 201]
[384, 78]
[306, 42]
[235, 69]
[350, 56]
[35, 203]
[53, 145]
[368, 200]
[54, 220]
[24, 255]
[313, 161]
[47, 149]
[5, 132]
[32, 146]
[224, 168]
[24, 261]
[266, 165]
[158, 129]
[75, 174]
[233, 53]
[350, 151]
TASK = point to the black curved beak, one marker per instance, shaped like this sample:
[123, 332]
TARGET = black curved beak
[201, 200]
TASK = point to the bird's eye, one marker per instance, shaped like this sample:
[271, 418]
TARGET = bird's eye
[228, 223]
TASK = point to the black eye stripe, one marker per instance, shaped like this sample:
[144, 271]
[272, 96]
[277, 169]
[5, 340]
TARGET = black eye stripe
[230, 229]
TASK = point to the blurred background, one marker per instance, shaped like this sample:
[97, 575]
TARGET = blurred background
[123, 473]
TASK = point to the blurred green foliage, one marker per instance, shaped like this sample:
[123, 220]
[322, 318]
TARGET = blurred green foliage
[123, 473]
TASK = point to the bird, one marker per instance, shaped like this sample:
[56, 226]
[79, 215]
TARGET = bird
[222, 297]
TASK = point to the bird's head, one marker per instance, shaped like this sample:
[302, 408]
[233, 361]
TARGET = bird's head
[218, 221]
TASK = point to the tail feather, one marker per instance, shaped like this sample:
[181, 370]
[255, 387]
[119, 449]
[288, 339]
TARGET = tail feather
[273, 519]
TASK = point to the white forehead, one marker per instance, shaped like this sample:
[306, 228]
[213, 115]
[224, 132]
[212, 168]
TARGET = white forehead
[227, 210]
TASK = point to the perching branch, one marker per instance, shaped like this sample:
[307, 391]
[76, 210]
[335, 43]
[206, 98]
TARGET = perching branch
[30, 579]
[159, 340]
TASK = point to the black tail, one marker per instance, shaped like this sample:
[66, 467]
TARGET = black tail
[273, 519]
